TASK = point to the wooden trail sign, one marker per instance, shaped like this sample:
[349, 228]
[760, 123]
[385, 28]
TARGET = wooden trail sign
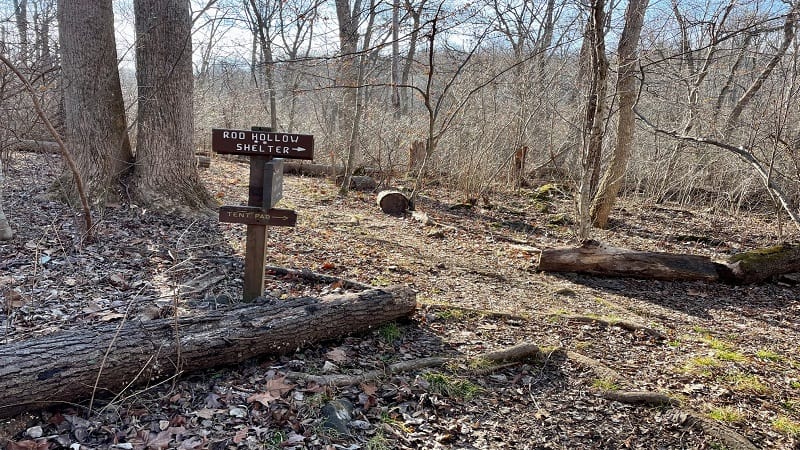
[257, 216]
[265, 190]
[273, 183]
[262, 143]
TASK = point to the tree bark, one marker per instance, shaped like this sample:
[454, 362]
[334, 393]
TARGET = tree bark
[595, 115]
[95, 124]
[166, 176]
[64, 366]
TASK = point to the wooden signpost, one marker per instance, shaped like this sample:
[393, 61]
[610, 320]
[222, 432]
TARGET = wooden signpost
[265, 190]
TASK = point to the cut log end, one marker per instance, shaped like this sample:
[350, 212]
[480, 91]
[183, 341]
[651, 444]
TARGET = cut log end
[393, 202]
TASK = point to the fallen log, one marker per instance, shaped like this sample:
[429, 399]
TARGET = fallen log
[597, 259]
[106, 358]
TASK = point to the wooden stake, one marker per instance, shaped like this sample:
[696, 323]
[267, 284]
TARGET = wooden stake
[256, 244]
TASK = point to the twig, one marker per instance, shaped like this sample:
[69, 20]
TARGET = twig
[87, 214]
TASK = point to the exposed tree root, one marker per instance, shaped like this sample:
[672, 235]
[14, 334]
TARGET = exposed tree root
[624, 324]
[728, 437]
[318, 277]
[607, 322]
[599, 368]
[514, 354]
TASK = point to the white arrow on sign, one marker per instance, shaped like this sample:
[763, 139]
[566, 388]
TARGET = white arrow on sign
[299, 149]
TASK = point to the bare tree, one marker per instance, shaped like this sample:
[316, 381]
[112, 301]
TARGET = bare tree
[595, 113]
[21, 17]
[627, 58]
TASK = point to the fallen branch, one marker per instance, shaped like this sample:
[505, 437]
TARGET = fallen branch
[645, 398]
[512, 354]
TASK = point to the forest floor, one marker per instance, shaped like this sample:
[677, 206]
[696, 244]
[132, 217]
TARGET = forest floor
[727, 355]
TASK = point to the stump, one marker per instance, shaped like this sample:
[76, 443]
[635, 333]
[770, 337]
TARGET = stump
[393, 202]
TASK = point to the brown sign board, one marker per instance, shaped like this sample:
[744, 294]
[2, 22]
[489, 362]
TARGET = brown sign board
[273, 183]
[252, 215]
[262, 143]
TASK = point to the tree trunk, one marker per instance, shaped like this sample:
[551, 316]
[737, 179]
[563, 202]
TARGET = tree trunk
[21, 17]
[95, 124]
[596, 259]
[166, 176]
[611, 183]
[5, 229]
[595, 115]
[64, 366]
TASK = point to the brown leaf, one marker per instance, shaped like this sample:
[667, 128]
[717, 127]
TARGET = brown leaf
[158, 441]
[264, 398]
[192, 443]
[207, 413]
[240, 435]
[278, 386]
[369, 388]
[337, 355]
[28, 445]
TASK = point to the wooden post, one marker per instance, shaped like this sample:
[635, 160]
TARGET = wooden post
[256, 244]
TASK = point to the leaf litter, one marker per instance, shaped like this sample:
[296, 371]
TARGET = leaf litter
[478, 290]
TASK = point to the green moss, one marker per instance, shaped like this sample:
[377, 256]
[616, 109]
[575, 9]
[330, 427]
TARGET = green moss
[726, 414]
[560, 219]
[605, 384]
[717, 344]
[786, 425]
[390, 332]
[747, 383]
[769, 355]
[760, 255]
[700, 366]
[451, 387]
[729, 355]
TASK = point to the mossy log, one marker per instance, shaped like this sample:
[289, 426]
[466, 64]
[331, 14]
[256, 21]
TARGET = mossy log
[107, 358]
[760, 265]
